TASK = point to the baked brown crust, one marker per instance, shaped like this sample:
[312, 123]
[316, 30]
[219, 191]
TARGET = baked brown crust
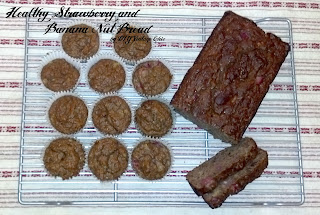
[133, 49]
[153, 118]
[151, 159]
[59, 75]
[81, 45]
[223, 89]
[111, 115]
[151, 78]
[238, 181]
[108, 159]
[64, 157]
[68, 114]
[106, 76]
[207, 176]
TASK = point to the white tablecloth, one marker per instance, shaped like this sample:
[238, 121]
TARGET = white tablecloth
[305, 17]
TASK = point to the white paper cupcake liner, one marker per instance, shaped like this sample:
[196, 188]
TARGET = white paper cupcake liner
[162, 100]
[153, 58]
[59, 95]
[101, 56]
[59, 55]
[128, 61]
[78, 22]
[166, 144]
[106, 96]
[87, 159]
[47, 143]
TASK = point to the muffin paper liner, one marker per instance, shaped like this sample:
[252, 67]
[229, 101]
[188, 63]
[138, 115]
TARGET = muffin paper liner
[59, 95]
[166, 144]
[162, 100]
[78, 22]
[46, 145]
[153, 58]
[105, 96]
[58, 55]
[131, 62]
[129, 159]
[105, 55]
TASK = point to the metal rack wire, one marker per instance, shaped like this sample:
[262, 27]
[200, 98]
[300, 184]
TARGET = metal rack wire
[275, 127]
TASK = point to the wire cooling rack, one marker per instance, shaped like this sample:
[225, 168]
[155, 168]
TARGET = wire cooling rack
[275, 127]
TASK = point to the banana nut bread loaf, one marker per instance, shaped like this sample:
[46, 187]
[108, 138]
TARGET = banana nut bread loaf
[207, 176]
[223, 89]
[228, 172]
[238, 181]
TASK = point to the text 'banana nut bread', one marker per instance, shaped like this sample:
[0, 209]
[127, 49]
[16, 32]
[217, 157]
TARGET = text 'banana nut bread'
[223, 89]
[228, 172]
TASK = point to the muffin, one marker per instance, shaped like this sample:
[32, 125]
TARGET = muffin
[68, 114]
[108, 159]
[59, 75]
[106, 76]
[79, 44]
[151, 159]
[151, 78]
[111, 115]
[153, 118]
[133, 49]
[64, 157]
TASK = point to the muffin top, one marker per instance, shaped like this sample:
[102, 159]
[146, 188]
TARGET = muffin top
[151, 159]
[68, 114]
[136, 48]
[82, 43]
[64, 157]
[151, 78]
[106, 76]
[153, 118]
[111, 115]
[59, 75]
[108, 159]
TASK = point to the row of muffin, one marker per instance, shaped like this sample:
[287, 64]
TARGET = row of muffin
[107, 158]
[111, 115]
[83, 42]
[105, 74]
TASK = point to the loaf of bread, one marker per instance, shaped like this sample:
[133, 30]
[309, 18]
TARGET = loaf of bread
[206, 177]
[228, 172]
[238, 181]
[223, 89]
